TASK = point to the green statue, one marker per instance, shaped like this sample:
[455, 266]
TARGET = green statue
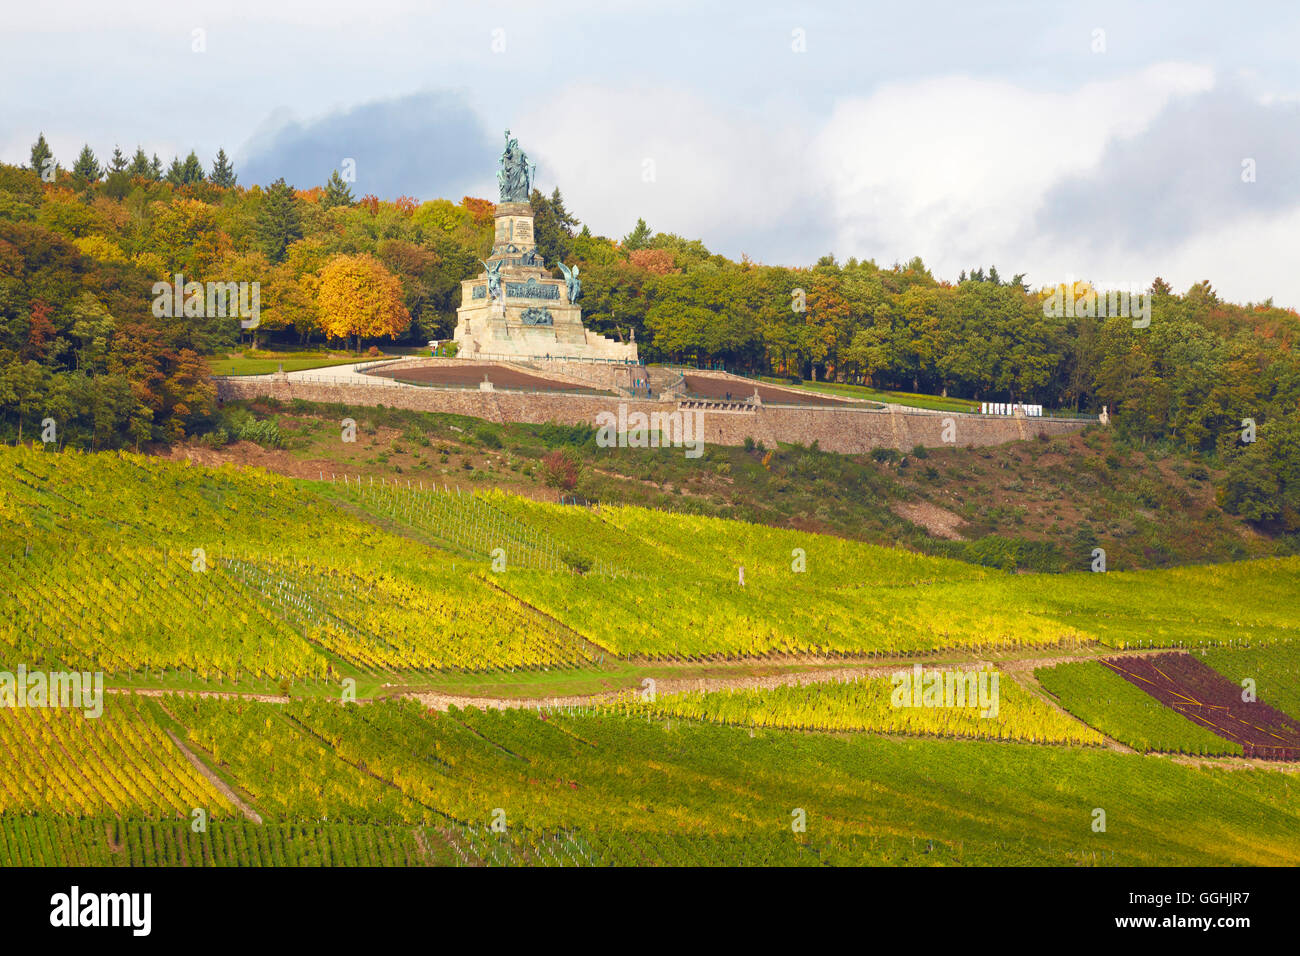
[515, 176]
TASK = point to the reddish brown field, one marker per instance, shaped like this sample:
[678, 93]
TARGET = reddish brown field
[1184, 684]
[501, 376]
[708, 387]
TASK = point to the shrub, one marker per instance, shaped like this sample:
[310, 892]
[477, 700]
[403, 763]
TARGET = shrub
[562, 468]
[920, 452]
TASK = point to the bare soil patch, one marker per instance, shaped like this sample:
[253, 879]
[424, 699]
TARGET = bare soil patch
[938, 521]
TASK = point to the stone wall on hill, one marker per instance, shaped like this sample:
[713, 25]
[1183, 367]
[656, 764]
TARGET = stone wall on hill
[847, 430]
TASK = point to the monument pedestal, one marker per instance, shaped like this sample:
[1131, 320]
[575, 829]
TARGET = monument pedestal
[515, 308]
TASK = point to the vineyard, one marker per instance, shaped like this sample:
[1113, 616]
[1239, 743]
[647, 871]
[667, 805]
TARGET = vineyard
[60, 761]
[1104, 700]
[390, 784]
[865, 705]
[128, 564]
[1186, 686]
[236, 580]
[1275, 668]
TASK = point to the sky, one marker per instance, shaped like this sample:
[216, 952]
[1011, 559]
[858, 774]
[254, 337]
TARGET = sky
[1105, 141]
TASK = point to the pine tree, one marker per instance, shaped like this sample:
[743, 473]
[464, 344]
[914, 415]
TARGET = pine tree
[155, 169]
[176, 172]
[337, 192]
[638, 238]
[118, 163]
[993, 275]
[192, 171]
[87, 166]
[223, 173]
[41, 152]
[278, 223]
[139, 164]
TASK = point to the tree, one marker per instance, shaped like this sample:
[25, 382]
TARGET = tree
[359, 297]
[118, 163]
[552, 227]
[87, 166]
[337, 192]
[156, 169]
[279, 222]
[638, 238]
[140, 164]
[192, 170]
[223, 173]
[176, 172]
[41, 153]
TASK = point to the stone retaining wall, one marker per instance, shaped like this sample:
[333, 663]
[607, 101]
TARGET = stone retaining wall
[845, 429]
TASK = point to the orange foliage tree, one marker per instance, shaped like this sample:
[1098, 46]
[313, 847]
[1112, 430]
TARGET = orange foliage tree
[359, 297]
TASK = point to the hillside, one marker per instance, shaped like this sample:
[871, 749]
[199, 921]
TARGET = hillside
[1032, 505]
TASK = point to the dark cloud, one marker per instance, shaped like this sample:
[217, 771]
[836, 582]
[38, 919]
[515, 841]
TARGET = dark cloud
[1182, 175]
[426, 145]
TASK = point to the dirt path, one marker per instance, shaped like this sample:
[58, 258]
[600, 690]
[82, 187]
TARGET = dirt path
[248, 812]
[440, 701]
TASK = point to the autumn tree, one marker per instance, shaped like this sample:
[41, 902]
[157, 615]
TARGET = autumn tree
[359, 297]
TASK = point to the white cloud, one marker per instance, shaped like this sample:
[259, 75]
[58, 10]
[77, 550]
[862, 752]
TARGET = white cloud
[717, 170]
[955, 168]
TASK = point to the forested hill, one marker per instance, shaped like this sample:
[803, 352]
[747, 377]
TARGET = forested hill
[80, 253]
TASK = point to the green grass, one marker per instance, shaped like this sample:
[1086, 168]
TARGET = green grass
[1104, 700]
[933, 402]
[263, 366]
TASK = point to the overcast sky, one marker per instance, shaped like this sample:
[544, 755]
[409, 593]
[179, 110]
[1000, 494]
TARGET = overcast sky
[1083, 140]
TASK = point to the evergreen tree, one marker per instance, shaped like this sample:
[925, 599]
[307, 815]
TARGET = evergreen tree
[638, 238]
[223, 173]
[993, 275]
[40, 153]
[118, 163]
[552, 226]
[192, 170]
[337, 192]
[278, 223]
[155, 169]
[139, 164]
[176, 172]
[87, 166]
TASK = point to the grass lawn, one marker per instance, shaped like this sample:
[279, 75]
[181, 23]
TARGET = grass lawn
[241, 365]
[932, 402]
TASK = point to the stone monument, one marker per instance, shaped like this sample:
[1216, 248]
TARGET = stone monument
[515, 308]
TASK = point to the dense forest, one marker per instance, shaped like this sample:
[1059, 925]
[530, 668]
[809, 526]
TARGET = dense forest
[80, 343]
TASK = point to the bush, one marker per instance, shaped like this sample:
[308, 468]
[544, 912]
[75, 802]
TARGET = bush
[562, 468]
[884, 454]
[574, 436]
[920, 452]
[490, 437]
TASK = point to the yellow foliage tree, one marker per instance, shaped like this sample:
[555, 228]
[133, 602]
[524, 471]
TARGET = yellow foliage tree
[359, 297]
